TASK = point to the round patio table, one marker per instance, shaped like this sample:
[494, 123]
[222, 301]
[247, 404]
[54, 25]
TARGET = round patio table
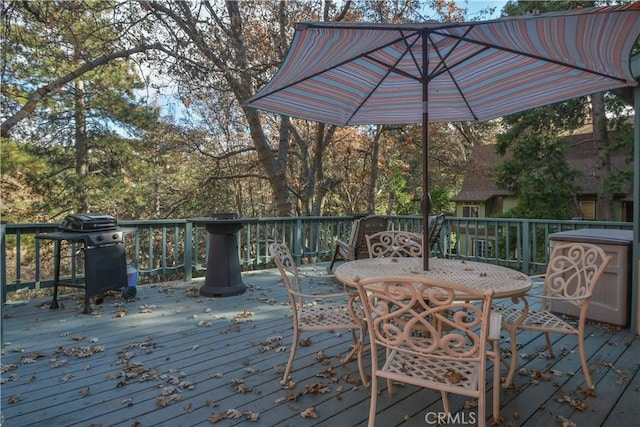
[505, 282]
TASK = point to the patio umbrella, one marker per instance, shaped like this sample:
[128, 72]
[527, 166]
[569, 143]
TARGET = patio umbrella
[364, 73]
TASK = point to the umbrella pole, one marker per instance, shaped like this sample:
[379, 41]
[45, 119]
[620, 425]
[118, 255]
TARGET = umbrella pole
[426, 198]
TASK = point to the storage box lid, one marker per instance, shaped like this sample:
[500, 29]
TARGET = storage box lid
[595, 235]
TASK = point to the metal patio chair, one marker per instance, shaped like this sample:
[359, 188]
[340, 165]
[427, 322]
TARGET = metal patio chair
[572, 274]
[393, 243]
[356, 247]
[436, 222]
[317, 311]
[435, 335]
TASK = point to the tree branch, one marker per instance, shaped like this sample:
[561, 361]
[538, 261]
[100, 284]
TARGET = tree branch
[42, 92]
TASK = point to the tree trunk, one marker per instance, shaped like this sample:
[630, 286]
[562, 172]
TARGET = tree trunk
[375, 150]
[604, 204]
[276, 175]
[82, 150]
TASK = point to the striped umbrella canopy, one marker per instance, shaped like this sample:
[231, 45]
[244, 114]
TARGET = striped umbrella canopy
[364, 73]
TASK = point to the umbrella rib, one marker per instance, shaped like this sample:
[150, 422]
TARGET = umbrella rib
[311, 76]
[390, 68]
[447, 69]
[529, 55]
[396, 69]
[442, 64]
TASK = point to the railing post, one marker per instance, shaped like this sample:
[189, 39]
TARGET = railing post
[526, 247]
[3, 261]
[3, 275]
[298, 244]
[188, 252]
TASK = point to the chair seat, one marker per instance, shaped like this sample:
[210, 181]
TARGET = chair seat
[320, 317]
[536, 320]
[459, 377]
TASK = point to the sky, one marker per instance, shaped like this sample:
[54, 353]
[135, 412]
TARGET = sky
[475, 6]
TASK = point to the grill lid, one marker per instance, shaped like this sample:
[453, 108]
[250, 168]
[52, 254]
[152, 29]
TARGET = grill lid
[89, 222]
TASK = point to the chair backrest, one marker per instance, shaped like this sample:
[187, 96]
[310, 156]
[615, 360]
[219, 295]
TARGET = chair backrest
[364, 227]
[574, 270]
[393, 243]
[435, 227]
[422, 317]
[281, 255]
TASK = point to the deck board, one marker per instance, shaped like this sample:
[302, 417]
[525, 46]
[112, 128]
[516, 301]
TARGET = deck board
[201, 352]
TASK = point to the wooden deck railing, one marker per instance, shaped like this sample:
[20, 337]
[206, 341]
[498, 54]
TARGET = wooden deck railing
[161, 249]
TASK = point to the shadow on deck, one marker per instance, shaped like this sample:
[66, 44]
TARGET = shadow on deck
[173, 358]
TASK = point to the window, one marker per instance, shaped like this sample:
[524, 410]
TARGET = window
[588, 209]
[481, 248]
[470, 211]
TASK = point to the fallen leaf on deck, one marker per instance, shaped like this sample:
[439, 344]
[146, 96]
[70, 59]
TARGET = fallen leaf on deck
[470, 404]
[316, 388]
[31, 358]
[162, 401]
[192, 293]
[321, 355]
[59, 363]
[270, 343]
[244, 314]
[146, 308]
[566, 422]
[233, 413]
[14, 399]
[84, 391]
[239, 386]
[66, 377]
[306, 342]
[167, 391]
[216, 416]
[251, 416]
[6, 368]
[309, 413]
[575, 403]
[453, 377]
[119, 314]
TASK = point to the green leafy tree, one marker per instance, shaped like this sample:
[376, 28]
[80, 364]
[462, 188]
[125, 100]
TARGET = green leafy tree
[544, 188]
[68, 96]
[536, 170]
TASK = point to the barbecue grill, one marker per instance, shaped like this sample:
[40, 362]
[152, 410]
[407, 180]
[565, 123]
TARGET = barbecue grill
[101, 243]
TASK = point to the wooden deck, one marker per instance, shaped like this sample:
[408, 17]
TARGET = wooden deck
[173, 358]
